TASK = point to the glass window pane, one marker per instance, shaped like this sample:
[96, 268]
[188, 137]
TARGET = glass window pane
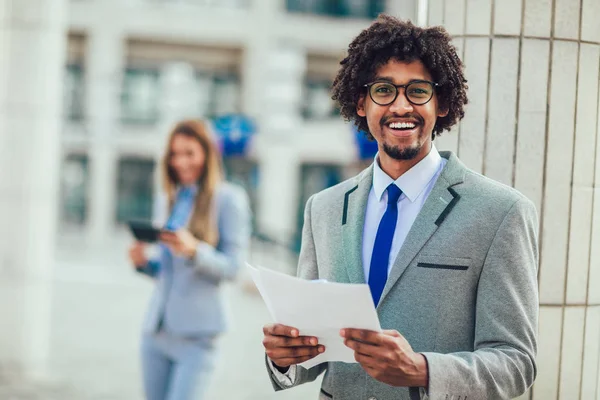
[74, 189]
[139, 101]
[338, 8]
[203, 94]
[135, 189]
[245, 173]
[73, 92]
[313, 179]
[317, 100]
[226, 93]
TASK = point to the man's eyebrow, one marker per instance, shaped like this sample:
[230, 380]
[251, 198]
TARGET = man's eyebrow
[384, 78]
[391, 80]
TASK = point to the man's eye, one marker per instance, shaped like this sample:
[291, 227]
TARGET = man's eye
[383, 89]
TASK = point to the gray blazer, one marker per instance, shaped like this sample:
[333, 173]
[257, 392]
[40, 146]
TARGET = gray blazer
[187, 294]
[462, 290]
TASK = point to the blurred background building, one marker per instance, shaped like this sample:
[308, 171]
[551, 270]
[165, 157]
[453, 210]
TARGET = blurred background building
[157, 61]
[90, 88]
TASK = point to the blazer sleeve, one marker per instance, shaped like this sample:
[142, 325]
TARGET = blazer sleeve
[502, 366]
[307, 269]
[234, 237]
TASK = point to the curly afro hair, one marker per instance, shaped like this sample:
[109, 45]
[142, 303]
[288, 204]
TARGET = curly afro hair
[390, 38]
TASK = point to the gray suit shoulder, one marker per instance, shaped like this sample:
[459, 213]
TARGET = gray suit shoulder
[490, 191]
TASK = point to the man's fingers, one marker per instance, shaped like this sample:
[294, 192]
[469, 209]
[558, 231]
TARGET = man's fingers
[280, 330]
[365, 361]
[362, 335]
[363, 348]
[271, 341]
[281, 353]
[391, 332]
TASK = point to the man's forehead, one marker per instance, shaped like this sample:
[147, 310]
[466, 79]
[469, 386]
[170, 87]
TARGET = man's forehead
[395, 70]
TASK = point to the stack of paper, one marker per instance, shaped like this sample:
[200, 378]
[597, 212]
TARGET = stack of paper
[317, 308]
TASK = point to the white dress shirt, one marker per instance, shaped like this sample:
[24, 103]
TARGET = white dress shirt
[416, 184]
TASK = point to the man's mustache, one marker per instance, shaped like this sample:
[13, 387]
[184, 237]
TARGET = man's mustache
[414, 117]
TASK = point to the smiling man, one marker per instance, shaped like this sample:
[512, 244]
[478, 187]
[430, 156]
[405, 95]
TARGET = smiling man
[450, 256]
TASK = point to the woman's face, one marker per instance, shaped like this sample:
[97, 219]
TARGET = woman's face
[187, 159]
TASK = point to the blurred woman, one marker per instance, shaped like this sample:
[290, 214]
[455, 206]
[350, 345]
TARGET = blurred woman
[204, 242]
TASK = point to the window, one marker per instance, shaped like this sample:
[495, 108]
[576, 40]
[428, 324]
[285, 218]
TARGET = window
[139, 100]
[207, 3]
[243, 172]
[135, 189]
[74, 189]
[339, 8]
[73, 93]
[318, 104]
[204, 94]
[226, 95]
[313, 179]
[217, 94]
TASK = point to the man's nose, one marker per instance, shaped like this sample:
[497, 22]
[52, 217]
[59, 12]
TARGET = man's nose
[401, 105]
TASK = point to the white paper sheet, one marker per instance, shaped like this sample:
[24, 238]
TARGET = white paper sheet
[317, 308]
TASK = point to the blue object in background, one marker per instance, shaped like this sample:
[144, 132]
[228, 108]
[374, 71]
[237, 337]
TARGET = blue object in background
[234, 133]
[366, 148]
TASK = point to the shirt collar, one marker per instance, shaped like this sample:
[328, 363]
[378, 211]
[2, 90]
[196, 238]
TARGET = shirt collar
[412, 182]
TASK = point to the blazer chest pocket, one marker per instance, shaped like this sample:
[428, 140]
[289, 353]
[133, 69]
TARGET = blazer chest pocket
[444, 263]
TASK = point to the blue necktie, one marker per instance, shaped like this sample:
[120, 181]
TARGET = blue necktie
[184, 203]
[181, 209]
[383, 244]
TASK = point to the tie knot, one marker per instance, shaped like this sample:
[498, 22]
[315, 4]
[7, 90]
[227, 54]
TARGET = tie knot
[394, 193]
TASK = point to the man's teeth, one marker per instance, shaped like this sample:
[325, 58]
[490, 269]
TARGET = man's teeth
[402, 125]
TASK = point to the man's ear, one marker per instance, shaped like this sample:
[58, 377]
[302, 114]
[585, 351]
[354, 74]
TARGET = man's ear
[443, 112]
[360, 106]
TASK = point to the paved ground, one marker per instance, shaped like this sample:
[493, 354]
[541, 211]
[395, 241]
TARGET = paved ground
[75, 336]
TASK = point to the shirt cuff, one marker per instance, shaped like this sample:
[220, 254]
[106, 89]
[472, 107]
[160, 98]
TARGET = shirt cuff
[286, 379]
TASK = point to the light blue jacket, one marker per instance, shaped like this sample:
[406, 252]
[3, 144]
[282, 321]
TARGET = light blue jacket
[187, 295]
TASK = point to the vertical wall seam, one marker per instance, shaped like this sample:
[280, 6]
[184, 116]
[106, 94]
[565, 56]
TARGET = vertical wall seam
[518, 102]
[545, 166]
[596, 155]
[489, 80]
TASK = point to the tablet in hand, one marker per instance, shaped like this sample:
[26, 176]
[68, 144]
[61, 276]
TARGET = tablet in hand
[144, 231]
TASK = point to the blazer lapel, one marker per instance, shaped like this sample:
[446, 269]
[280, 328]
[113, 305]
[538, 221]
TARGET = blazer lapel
[353, 221]
[438, 205]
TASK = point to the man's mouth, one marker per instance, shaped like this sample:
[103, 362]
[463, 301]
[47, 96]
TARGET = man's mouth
[402, 126]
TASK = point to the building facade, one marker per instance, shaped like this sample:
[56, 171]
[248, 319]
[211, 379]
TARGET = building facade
[160, 61]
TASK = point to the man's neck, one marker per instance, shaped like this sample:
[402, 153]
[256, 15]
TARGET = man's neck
[396, 168]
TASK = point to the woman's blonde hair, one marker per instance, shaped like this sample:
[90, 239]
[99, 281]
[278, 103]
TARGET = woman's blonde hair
[202, 224]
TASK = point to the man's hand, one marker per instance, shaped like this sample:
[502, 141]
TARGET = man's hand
[285, 346]
[387, 357]
[181, 242]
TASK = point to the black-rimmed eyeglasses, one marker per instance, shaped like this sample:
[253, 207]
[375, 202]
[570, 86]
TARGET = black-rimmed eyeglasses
[416, 92]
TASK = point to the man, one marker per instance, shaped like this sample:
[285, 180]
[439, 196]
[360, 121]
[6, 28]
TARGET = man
[450, 256]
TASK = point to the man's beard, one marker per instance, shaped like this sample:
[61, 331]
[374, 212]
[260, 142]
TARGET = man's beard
[397, 153]
[407, 153]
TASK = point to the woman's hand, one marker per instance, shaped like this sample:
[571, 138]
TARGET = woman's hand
[137, 254]
[181, 242]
